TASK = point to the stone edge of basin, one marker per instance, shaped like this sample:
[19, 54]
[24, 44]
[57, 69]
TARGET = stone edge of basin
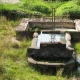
[25, 21]
[52, 67]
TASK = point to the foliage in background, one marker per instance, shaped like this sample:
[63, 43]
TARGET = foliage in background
[77, 2]
[36, 6]
[73, 11]
[39, 8]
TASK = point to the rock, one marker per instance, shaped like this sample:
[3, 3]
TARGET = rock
[35, 34]
[34, 43]
[68, 43]
[67, 36]
[77, 25]
[34, 40]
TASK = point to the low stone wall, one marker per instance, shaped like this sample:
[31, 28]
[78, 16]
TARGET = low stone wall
[26, 24]
[77, 24]
[53, 67]
[48, 25]
[23, 25]
[27, 34]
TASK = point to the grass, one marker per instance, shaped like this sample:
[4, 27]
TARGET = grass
[8, 7]
[65, 8]
[40, 8]
[13, 57]
[77, 47]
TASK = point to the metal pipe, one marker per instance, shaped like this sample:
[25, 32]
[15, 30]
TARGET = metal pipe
[54, 19]
[53, 25]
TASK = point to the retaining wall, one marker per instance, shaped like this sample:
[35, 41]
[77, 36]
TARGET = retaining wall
[26, 24]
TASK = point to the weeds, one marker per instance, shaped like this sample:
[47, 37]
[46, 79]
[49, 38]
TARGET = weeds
[59, 74]
[77, 47]
[13, 62]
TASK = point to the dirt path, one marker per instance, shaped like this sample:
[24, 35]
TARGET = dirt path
[10, 1]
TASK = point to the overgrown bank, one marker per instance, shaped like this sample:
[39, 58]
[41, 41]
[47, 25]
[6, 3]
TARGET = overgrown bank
[13, 57]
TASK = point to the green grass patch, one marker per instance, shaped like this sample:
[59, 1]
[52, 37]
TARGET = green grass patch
[8, 7]
[77, 47]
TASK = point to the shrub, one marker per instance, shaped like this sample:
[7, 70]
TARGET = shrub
[38, 6]
[77, 2]
[68, 9]
[75, 14]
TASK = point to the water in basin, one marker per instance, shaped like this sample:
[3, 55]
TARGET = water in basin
[50, 38]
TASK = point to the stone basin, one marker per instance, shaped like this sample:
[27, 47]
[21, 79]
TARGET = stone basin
[45, 54]
[50, 50]
[52, 67]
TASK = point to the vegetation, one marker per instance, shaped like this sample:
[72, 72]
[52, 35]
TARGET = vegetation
[39, 8]
[13, 56]
[77, 47]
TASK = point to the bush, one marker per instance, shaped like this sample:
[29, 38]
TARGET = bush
[75, 14]
[38, 6]
[69, 8]
[77, 2]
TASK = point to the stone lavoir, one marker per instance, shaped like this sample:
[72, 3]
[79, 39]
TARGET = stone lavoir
[51, 49]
